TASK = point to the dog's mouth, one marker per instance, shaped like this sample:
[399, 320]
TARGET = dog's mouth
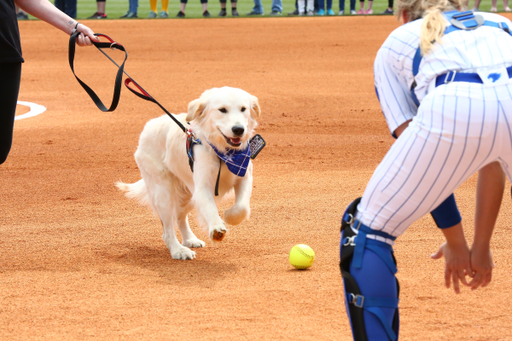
[233, 141]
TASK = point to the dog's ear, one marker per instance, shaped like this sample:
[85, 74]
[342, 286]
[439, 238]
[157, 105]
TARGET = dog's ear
[195, 109]
[255, 107]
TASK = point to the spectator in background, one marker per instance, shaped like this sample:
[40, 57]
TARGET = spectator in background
[100, 10]
[20, 14]
[223, 12]
[352, 7]
[277, 8]
[163, 14]
[494, 6]
[321, 7]
[310, 7]
[367, 11]
[132, 10]
[389, 10]
[183, 4]
[67, 6]
[296, 11]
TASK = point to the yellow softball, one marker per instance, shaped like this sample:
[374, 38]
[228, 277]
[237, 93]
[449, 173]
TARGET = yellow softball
[302, 256]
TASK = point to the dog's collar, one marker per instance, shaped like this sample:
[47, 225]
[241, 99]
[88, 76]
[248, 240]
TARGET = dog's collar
[237, 160]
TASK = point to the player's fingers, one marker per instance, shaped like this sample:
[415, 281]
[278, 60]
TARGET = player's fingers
[462, 277]
[488, 279]
[455, 278]
[470, 272]
[87, 41]
[476, 281]
[88, 33]
[80, 39]
[447, 278]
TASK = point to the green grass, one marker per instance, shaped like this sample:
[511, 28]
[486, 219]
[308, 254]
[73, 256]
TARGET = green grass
[116, 8]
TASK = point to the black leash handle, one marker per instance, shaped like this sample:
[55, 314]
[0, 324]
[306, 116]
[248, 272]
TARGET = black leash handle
[119, 77]
[139, 91]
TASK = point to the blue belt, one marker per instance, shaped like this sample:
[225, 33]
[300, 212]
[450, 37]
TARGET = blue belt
[454, 76]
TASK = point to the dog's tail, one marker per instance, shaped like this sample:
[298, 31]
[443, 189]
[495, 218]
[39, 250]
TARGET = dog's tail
[135, 191]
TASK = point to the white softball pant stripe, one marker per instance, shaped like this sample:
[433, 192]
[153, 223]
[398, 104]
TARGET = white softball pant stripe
[460, 127]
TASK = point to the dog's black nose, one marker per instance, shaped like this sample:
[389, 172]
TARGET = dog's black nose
[238, 130]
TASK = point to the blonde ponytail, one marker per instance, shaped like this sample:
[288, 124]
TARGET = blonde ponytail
[434, 23]
[432, 29]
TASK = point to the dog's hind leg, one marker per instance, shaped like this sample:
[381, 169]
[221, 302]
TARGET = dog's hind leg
[165, 200]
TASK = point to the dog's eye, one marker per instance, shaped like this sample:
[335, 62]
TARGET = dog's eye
[243, 109]
[223, 110]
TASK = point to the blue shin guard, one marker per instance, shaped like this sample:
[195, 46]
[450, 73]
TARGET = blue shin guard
[368, 268]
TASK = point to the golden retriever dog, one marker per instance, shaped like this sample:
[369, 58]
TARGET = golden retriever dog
[222, 120]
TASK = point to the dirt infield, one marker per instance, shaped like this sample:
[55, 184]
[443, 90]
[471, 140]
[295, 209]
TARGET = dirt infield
[79, 261]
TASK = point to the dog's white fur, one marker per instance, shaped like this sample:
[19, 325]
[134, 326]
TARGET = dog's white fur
[168, 185]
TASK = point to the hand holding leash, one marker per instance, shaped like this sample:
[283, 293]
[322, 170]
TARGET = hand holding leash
[86, 35]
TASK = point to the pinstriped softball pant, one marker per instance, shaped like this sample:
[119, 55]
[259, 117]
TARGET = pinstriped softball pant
[459, 128]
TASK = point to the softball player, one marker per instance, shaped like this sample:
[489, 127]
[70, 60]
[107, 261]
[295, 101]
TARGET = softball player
[448, 73]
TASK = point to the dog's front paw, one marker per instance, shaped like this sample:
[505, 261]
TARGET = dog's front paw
[193, 242]
[183, 253]
[235, 215]
[218, 232]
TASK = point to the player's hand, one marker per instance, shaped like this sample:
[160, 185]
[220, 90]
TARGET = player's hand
[482, 265]
[86, 35]
[457, 262]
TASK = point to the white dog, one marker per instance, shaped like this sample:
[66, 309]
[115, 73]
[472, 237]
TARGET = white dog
[222, 119]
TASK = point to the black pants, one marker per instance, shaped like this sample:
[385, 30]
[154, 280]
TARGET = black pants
[10, 74]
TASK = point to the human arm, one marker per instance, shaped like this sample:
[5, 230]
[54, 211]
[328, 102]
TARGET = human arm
[398, 131]
[392, 89]
[457, 257]
[46, 11]
[491, 182]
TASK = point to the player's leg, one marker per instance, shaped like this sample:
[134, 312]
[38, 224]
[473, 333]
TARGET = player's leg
[152, 6]
[183, 5]
[311, 6]
[301, 5]
[165, 6]
[368, 268]
[10, 74]
[234, 12]
[494, 5]
[204, 4]
[133, 6]
[449, 140]
[222, 12]
[277, 6]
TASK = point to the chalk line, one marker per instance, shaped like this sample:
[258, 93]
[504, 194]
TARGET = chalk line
[35, 109]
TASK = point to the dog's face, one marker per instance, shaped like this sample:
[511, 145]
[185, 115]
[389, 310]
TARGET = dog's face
[225, 116]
